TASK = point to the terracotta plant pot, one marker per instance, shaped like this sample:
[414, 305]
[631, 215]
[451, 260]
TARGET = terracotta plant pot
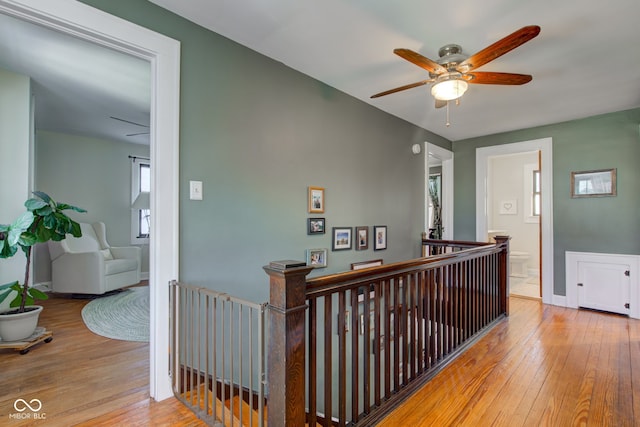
[18, 326]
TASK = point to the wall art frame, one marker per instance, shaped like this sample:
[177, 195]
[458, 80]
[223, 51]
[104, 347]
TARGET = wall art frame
[362, 238]
[342, 238]
[315, 199]
[315, 225]
[317, 258]
[379, 237]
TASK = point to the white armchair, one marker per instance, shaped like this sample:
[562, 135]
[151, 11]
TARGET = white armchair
[88, 265]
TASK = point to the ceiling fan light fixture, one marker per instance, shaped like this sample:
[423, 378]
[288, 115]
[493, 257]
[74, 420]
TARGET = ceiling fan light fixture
[448, 90]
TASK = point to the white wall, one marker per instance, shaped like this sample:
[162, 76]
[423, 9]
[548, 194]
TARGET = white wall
[15, 95]
[509, 205]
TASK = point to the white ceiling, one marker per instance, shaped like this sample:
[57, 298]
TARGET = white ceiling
[78, 85]
[348, 44]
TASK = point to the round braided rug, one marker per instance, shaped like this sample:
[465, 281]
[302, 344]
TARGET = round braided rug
[123, 316]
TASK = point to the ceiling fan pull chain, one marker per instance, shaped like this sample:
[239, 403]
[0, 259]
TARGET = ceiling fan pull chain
[447, 121]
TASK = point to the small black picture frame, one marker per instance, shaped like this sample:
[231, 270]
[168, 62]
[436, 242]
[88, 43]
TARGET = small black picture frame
[342, 238]
[315, 226]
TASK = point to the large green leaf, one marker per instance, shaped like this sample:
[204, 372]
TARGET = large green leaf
[18, 227]
[76, 231]
[35, 204]
[7, 251]
[44, 196]
[64, 207]
[37, 294]
[27, 239]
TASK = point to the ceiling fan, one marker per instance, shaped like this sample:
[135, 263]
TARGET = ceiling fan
[454, 70]
[132, 123]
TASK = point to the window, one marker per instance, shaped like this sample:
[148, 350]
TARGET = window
[140, 190]
[532, 193]
[535, 211]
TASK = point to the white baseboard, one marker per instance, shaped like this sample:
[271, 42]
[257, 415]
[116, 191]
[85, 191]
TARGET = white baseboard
[43, 286]
[144, 275]
[559, 300]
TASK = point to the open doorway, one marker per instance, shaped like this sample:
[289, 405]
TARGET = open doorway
[513, 209]
[163, 54]
[483, 207]
[439, 170]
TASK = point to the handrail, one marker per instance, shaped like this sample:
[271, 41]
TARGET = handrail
[375, 334]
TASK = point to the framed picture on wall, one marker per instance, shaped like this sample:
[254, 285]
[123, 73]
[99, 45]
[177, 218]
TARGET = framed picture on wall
[315, 225]
[316, 199]
[317, 258]
[380, 237]
[341, 238]
[362, 238]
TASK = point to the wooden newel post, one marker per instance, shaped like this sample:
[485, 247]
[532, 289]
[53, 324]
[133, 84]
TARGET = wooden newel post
[503, 272]
[286, 354]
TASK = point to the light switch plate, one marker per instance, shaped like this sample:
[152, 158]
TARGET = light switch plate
[195, 190]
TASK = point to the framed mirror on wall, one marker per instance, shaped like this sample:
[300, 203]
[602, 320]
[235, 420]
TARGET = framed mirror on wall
[594, 183]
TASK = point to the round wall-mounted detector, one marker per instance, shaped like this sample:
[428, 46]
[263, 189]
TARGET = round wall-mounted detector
[416, 148]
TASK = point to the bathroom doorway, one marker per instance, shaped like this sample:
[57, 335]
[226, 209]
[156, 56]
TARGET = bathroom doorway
[542, 146]
[513, 209]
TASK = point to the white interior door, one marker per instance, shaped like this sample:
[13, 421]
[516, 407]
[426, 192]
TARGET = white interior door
[604, 286]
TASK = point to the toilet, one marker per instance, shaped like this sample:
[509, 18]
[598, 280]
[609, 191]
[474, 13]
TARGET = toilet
[517, 259]
[518, 264]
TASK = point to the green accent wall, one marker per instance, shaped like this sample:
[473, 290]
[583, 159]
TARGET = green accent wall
[257, 134]
[599, 225]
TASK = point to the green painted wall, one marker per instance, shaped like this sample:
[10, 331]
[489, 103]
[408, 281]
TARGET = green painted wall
[257, 133]
[601, 225]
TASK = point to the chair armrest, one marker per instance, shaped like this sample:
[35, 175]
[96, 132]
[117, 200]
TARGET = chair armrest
[126, 252]
[78, 272]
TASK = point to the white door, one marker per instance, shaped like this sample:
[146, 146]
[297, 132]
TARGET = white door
[604, 286]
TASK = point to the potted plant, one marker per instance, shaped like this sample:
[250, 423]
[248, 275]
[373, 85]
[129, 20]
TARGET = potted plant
[44, 220]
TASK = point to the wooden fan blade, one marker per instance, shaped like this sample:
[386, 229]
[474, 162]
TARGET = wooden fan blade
[401, 88]
[499, 48]
[420, 61]
[490, 78]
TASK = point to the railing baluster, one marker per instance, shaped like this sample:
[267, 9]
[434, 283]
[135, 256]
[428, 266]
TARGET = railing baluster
[312, 365]
[356, 354]
[328, 373]
[342, 360]
[377, 289]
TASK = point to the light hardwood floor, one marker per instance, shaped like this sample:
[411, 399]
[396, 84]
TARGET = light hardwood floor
[82, 378]
[543, 366]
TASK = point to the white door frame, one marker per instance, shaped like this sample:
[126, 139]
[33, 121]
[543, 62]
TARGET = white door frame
[163, 53]
[544, 145]
[446, 157]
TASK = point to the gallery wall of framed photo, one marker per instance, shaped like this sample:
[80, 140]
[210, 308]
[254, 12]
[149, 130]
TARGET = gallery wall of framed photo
[343, 238]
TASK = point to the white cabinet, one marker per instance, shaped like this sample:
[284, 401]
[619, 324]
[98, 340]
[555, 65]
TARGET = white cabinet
[607, 282]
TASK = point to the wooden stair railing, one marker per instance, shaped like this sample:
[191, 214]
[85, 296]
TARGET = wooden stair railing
[430, 310]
